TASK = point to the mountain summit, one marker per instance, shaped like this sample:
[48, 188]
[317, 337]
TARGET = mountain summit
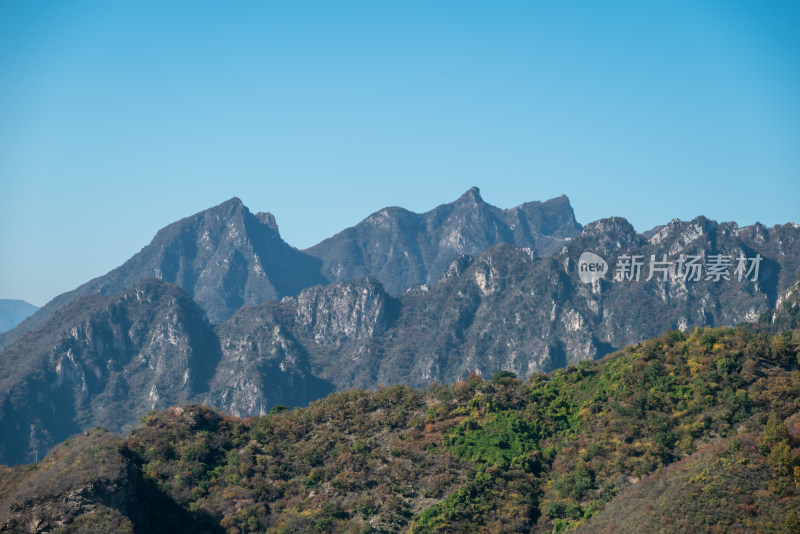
[471, 197]
[403, 249]
[224, 257]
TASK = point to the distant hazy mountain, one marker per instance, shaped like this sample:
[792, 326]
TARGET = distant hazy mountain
[12, 312]
[403, 249]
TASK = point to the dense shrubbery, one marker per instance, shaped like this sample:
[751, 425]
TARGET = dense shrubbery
[355, 456]
[580, 435]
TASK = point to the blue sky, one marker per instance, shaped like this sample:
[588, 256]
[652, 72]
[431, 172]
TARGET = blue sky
[117, 118]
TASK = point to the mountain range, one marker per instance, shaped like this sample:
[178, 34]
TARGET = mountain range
[226, 257]
[219, 310]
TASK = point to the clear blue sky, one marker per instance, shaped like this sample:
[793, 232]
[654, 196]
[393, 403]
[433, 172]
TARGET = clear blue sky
[117, 118]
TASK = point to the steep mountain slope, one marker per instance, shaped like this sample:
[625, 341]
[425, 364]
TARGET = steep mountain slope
[506, 310]
[683, 432]
[224, 257]
[13, 312]
[103, 361]
[786, 315]
[268, 350]
[403, 249]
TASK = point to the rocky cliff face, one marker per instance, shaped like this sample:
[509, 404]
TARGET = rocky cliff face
[273, 353]
[262, 366]
[403, 249]
[343, 312]
[507, 310]
[103, 362]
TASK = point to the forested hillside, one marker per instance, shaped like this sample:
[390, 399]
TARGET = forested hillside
[697, 430]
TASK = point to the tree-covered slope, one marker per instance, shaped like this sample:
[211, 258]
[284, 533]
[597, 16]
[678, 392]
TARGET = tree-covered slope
[695, 431]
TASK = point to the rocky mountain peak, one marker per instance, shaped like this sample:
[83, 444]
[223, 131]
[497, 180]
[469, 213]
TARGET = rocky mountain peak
[403, 249]
[268, 219]
[552, 218]
[606, 237]
[224, 257]
[231, 203]
[458, 266]
[559, 202]
[493, 300]
[231, 210]
[231, 219]
[471, 198]
[678, 234]
[609, 226]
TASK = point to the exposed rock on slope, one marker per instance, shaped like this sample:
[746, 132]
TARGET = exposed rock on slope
[682, 433]
[107, 359]
[226, 257]
[103, 361]
[266, 349]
